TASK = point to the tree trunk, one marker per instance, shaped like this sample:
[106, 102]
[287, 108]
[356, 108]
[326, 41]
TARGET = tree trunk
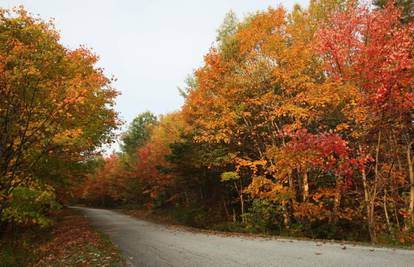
[370, 211]
[241, 201]
[240, 192]
[187, 200]
[337, 200]
[226, 209]
[286, 220]
[305, 186]
[387, 218]
[411, 176]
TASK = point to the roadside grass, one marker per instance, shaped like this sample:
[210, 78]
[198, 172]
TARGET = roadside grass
[72, 241]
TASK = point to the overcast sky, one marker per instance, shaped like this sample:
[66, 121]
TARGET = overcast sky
[150, 46]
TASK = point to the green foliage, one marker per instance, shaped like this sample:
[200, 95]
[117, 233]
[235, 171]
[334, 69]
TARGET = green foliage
[193, 215]
[228, 176]
[262, 216]
[226, 41]
[228, 28]
[190, 84]
[322, 9]
[138, 132]
[30, 206]
[13, 256]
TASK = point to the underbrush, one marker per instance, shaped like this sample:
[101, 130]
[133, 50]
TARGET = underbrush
[264, 219]
[70, 242]
[18, 245]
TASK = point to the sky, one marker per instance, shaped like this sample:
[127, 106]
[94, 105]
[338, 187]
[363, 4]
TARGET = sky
[150, 46]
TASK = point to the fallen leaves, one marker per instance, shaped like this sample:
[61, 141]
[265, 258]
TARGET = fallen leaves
[75, 243]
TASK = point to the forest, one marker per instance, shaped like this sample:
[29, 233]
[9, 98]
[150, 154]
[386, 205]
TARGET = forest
[298, 123]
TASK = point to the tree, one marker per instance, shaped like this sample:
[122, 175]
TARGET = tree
[374, 56]
[137, 133]
[56, 107]
[190, 84]
[152, 168]
[407, 7]
[270, 83]
[299, 121]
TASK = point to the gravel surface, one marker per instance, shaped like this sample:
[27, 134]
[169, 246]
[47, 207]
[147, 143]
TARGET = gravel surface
[149, 244]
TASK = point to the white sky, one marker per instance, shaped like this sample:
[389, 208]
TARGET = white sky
[150, 46]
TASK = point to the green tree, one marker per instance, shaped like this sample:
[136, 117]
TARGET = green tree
[138, 133]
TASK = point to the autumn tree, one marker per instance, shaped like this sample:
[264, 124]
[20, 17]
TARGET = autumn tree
[299, 121]
[111, 184]
[374, 57]
[137, 133]
[56, 108]
[268, 84]
[151, 167]
[407, 7]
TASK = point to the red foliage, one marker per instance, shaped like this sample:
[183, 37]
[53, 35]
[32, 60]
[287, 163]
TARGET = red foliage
[330, 152]
[373, 49]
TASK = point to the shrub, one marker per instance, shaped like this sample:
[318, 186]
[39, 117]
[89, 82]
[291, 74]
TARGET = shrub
[27, 206]
[263, 216]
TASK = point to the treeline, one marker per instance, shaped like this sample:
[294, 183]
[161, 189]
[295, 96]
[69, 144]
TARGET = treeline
[298, 122]
[56, 111]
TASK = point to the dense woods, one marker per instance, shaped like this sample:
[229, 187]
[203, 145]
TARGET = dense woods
[297, 123]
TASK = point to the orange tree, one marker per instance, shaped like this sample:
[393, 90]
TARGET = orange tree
[263, 82]
[55, 111]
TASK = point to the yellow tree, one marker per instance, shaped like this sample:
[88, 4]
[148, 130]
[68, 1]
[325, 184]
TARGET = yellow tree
[265, 83]
[56, 107]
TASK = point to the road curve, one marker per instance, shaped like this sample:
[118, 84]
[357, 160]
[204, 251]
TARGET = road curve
[149, 244]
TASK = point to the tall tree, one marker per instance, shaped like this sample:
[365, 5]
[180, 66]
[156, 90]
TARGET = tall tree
[56, 107]
[374, 57]
[137, 133]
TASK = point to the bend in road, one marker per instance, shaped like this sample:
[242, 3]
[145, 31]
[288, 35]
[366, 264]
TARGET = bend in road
[149, 244]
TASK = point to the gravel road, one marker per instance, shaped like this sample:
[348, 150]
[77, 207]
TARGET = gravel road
[149, 244]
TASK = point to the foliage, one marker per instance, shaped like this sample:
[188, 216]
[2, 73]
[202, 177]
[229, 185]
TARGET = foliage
[30, 206]
[298, 121]
[18, 247]
[262, 216]
[379, 68]
[120, 180]
[70, 242]
[56, 110]
[407, 7]
[138, 132]
[74, 242]
[228, 176]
